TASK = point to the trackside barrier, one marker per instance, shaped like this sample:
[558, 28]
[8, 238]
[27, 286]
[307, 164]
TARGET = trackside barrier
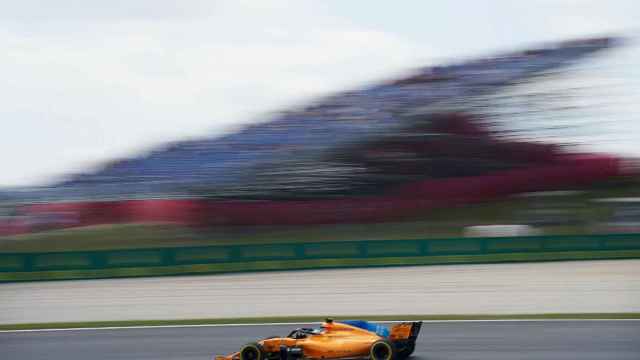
[372, 249]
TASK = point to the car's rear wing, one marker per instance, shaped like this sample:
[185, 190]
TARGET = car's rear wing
[404, 338]
[405, 331]
[415, 330]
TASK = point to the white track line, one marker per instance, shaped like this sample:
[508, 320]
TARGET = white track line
[296, 323]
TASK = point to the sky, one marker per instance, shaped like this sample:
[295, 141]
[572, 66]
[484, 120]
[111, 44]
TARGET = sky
[85, 81]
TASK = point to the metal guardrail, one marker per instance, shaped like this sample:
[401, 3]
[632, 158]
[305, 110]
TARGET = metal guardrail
[371, 249]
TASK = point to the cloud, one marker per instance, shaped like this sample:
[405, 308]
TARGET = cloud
[35, 11]
[83, 81]
[88, 84]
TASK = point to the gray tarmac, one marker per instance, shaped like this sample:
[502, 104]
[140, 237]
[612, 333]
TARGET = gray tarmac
[495, 340]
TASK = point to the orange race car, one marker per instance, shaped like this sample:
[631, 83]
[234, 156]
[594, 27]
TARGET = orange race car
[335, 340]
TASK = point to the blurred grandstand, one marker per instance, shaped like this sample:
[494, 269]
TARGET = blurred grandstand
[375, 154]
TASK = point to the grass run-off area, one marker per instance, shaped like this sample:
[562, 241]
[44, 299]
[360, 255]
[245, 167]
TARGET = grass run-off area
[137, 236]
[317, 319]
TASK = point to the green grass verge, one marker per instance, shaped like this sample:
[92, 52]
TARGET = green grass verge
[305, 319]
[309, 264]
[138, 236]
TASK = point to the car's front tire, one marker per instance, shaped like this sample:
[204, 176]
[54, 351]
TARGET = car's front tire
[252, 351]
[382, 350]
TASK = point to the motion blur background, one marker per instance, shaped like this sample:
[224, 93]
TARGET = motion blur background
[165, 122]
[148, 138]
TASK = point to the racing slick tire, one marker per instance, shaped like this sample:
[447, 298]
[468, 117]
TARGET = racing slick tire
[252, 351]
[382, 350]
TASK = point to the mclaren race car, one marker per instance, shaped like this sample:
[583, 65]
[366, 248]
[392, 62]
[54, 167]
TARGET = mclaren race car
[348, 339]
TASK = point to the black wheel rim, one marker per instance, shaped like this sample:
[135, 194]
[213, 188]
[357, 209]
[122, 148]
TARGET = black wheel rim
[381, 352]
[250, 353]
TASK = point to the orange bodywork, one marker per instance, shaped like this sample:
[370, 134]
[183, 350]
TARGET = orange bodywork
[335, 340]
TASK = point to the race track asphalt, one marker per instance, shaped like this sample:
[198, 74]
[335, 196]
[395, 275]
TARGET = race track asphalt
[584, 340]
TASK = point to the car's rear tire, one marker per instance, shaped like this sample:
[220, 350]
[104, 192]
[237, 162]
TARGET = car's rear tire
[252, 351]
[382, 350]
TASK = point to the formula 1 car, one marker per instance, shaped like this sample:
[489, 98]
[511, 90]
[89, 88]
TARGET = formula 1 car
[350, 339]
